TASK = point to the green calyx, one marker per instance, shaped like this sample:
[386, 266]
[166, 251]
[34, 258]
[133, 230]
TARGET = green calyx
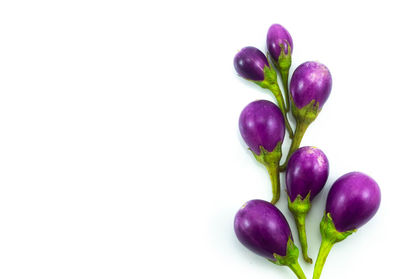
[292, 254]
[299, 208]
[284, 60]
[290, 259]
[306, 114]
[330, 236]
[271, 161]
[329, 232]
[269, 158]
[270, 78]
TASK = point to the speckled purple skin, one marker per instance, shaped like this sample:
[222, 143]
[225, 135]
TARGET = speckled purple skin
[276, 36]
[250, 62]
[310, 81]
[261, 123]
[262, 228]
[307, 170]
[353, 200]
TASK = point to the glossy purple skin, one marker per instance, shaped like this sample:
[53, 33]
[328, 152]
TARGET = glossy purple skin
[261, 123]
[250, 62]
[307, 170]
[262, 228]
[277, 35]
[310, 81]
[353, 200]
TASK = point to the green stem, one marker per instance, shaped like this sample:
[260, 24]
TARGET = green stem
[297, 270]
[285, 82]
[273, 170]
[330, 236]
[301, 228]
[281, 104]
[301, 128]
[290, 259]
[270, 159]
[326, 246]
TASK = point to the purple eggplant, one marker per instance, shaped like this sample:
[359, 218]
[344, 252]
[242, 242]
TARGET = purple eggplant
[262, 127]
[251, 64]
[311, 81]
[306, 175]
[352, 201]
[263, 229]
[310, 87]
[280, 47]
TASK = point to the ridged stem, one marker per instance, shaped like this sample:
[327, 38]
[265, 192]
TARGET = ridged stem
[281, 104]
[273, 170]
[285, 82]
[301, 228]
[326, 246]
[301, 128]
[297, 270]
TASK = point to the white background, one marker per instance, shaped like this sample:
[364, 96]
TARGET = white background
[120, 155]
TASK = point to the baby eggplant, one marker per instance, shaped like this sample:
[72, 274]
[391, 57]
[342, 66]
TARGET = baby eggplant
[280, 47]
[306, 175]
[352, 201]
[263, 229]
[262, 127]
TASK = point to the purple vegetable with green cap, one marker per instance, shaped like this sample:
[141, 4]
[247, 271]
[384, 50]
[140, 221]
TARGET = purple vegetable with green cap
[262, 127]
[280, 47]
[310, 87]
[251, 64]
[306, 175]
[263, 229]
[352, 201]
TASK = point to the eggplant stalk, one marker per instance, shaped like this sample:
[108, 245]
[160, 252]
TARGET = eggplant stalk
[330, 236]
[301, 128]
[326, 246]
[271, 161]
[273, 170]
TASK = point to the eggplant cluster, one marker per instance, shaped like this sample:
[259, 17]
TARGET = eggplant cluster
[352, 200]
